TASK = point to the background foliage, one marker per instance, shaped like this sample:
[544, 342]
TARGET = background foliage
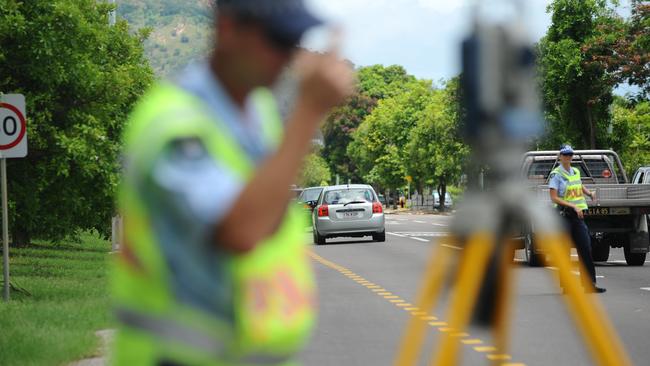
[80, 78]
[181, 30]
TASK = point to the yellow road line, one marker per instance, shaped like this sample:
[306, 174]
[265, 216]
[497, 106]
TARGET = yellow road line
[499, 357]
[472, 341]
[432, 320]
[437, 324]
[485, 349]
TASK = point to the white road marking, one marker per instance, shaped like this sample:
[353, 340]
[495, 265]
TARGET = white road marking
[574, 272]
[645, 288]
[406, 235]
[437, 224]
[419, 222]
[621, 261]
[424, 233]
[401, 236]
[420, 239]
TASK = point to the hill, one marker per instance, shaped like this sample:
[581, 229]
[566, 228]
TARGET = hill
[181, 30]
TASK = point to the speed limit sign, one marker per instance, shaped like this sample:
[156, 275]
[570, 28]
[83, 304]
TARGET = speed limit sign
[13, 126]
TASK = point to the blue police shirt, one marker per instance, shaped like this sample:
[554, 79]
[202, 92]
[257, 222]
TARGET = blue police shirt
[189, 193]
[559, 183]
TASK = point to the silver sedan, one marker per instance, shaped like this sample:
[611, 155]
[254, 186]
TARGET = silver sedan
[348, 210]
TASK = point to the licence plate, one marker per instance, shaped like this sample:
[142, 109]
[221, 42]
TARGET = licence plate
[604, 211]
[350, 214]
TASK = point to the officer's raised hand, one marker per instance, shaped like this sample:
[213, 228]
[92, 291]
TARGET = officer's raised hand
[325, 79]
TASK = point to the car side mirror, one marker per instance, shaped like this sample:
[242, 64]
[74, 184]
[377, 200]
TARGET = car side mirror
[311, 204]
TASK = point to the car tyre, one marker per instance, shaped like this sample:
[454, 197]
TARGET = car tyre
[600, 251]
[533, 259]
[633, 259]
[318, 239]
[380, 237]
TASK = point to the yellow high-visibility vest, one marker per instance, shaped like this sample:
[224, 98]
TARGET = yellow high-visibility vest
[573, 192]
[273, 284]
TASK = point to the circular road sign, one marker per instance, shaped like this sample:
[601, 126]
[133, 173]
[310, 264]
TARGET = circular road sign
[12, 126]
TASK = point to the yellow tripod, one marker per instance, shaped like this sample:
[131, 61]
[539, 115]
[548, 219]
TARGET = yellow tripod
[481, 230]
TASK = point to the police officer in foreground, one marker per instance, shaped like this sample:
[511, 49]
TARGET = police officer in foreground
[214, 269]
[568, 194]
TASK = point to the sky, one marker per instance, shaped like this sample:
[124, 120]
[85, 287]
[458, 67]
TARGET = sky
[421, 35]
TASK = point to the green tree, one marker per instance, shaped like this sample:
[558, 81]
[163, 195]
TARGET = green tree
[80, 78]
[577, 92]
[622, 48]
[337, 134]
[381, 82]
[435, 152]
[378, 146]
[375, 83]
[315, 172]
[631, 133]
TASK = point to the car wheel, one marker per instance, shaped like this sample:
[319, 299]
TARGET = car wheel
[380, 237]
[600, 250]
[533, 259]
[318, 239]
[633, 259]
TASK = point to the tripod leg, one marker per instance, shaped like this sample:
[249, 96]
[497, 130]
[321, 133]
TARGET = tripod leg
[599, 334]
[434, 277]
[475, 258]
[504, 300]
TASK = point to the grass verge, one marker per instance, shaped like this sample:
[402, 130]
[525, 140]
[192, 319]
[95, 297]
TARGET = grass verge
[68, 301]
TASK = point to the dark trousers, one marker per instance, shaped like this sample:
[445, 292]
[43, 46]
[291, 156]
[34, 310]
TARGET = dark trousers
[582, 242]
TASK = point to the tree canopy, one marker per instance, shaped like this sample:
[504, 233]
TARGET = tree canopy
[80, 78]
[315, 172]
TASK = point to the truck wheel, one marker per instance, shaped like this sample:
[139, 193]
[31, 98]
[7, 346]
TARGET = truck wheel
[533, 259]
[318, 239]
[380, 237]
[600, 250]
[633, 259]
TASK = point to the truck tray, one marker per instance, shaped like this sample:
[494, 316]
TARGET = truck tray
[609, 195]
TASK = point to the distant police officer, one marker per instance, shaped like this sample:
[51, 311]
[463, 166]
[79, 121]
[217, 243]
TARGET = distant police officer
[214, 270]
[568, 194]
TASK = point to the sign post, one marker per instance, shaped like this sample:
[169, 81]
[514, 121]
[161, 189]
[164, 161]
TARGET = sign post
[13, 144]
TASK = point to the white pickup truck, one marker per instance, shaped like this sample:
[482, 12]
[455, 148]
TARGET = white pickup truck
[616, 219]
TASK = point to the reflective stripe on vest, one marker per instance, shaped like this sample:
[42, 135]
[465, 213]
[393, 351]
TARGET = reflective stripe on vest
[274, 286]
[573, 192]
[173, 330]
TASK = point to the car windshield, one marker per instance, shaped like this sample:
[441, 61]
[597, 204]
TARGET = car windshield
[343, 196]
[310, 194]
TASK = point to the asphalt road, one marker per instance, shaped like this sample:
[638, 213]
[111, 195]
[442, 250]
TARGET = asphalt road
[368, 292]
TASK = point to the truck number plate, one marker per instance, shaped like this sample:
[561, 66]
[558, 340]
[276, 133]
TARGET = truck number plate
[603, 211]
